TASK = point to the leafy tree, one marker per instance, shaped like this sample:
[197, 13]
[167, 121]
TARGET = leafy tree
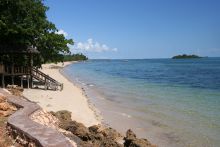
[184, 56]
[24, 23]
[75, 57]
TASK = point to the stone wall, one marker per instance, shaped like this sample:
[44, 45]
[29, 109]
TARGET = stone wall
[28, 132]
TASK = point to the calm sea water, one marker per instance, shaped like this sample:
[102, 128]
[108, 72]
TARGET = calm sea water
[170, 102]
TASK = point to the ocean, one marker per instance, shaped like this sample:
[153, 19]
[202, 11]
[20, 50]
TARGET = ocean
[171, 102]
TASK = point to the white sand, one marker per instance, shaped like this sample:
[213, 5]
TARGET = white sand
[71, 98]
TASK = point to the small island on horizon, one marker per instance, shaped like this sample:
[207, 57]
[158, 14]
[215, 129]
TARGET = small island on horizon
[185, 56]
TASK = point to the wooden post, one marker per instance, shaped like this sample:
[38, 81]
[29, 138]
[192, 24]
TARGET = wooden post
[45, 86]
[12, 80]
[32, 83]
[12, 66]
[3, 81]
[28, 81]
[1, 68]
[31, 64]
[61, 87]
[22, 81]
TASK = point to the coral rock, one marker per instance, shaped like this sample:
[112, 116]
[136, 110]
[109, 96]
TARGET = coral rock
[62, 115]
[2, 98]
[94, 136]
[111, 133]
[132, 141]
[5, 113]
[15, 90]
[78, 129]
[4, 106]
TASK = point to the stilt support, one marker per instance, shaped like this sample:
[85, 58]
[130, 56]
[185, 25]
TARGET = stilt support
[3, 81]
[31, 80]
[12, 80]
[21, 81]
[28, 81]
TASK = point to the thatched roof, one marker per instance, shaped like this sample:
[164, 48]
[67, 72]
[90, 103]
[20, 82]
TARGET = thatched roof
[11, 49]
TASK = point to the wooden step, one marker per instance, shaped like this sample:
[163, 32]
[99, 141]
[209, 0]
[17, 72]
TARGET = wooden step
[48, 81]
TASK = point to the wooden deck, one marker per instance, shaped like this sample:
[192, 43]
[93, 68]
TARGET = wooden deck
[15, 70]
[29, 73]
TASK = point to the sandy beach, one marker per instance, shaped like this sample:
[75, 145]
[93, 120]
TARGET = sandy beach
[71, 98]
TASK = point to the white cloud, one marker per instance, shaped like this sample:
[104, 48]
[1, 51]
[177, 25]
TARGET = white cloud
[65, 34]
[92, 46]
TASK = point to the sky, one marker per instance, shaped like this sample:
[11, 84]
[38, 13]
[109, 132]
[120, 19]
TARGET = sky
[138, 29]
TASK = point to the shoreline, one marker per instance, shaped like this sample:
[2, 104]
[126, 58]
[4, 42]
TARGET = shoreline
[85, 130]
[71, 98]
[95, 110]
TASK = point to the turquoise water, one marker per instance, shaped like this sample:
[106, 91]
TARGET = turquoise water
[171, 102]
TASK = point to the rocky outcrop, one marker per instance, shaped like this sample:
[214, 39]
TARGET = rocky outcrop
[78, 129]
[15, 90]
[31, 126]
[94, 136]
[6, 109]
[62, 115]
[30, 133]
[132, 141]
[45, 118]
[97, 135]
[2, 98]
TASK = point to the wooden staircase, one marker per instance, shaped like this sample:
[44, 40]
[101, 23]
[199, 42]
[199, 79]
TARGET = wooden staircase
[48, 82]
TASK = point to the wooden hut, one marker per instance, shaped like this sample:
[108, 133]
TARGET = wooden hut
[11, 66]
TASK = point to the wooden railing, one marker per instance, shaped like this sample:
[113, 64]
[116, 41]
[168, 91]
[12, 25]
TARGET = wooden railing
[33, 72]
[46, 79]
[15, 70]
[1, 68]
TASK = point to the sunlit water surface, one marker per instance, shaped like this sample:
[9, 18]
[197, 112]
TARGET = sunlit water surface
[170, 102]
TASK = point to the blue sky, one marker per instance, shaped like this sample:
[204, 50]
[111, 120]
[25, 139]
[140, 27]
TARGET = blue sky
[139, 28]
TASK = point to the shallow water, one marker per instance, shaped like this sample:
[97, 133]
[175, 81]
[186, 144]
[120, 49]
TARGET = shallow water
[170, 102]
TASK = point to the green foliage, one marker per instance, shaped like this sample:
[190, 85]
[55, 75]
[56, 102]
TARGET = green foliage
[184, 56]
[24, 23]
[75, 57]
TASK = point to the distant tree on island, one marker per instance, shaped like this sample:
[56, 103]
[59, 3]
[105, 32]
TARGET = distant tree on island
[24, 23]
[75, 57]
[184, 56]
